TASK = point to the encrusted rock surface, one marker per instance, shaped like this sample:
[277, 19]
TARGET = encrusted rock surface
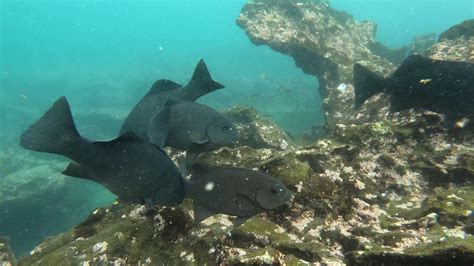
[463, 29]
[461, 49]
[389, 188]
[323, 41]
[326, 43]
[6, 255]
[455, 44]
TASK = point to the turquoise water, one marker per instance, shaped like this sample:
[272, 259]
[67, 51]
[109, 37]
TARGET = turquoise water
[104, 55]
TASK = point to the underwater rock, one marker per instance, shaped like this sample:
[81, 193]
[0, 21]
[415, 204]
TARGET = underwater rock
[464, 29]
[323, 42]
[461, 49]
[27, 183]
[6, 255]
[34, 187]
[455, 44]
[390, 187]
[256, 131]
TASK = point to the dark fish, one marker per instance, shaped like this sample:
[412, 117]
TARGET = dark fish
[201, 83]
[129, 166]
[441, 86]
[192, 127]
[234, 191]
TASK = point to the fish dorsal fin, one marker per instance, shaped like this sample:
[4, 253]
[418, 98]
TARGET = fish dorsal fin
[128, 137]
[158, 127]
[163, 85]
[201, 213]
[77, 170]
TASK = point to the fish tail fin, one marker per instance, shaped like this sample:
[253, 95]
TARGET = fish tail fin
[54, 132]
[366, 83]
[202, 79]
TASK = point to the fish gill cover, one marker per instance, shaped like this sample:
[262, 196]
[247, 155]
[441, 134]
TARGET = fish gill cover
[386, 181]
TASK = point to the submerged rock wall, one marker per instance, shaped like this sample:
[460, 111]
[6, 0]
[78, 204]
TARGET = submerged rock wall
[326, 43]
[323, 42]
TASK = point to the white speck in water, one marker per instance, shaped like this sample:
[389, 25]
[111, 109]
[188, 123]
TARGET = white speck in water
[209, 186]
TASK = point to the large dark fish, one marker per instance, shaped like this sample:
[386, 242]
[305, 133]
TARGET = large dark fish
[130, 167]
[192, 127]
[441, 86]
[234, 191]
[201, 83]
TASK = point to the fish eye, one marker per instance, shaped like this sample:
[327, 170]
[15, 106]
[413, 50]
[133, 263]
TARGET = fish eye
[276, 190]
[225, 128]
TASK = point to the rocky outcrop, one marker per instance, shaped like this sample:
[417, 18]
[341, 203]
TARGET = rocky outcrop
[388, 188]
[326, 43]
[455, 44]
[464, 29]
[323, 42]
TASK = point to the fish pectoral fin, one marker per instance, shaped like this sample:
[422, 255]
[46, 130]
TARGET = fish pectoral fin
[244, 202]
[201, 213]
[77, 170]
[239, 221]
[201, 142]
[158, 127]
[191, 158]
[265, 200]
[193, 152]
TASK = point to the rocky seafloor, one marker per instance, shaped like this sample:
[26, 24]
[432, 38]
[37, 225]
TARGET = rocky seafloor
[377, 188]
[391, 188]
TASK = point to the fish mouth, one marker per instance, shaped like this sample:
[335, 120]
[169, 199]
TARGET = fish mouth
[289, 198]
